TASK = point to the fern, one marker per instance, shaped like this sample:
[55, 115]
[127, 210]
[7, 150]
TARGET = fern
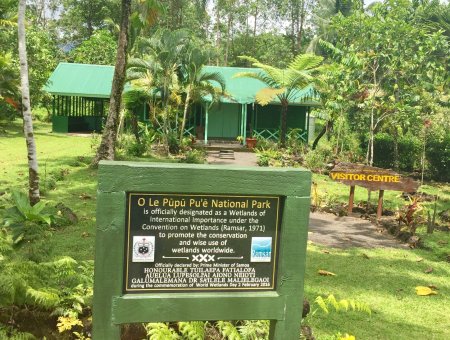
[228, 330]
[342, 305]
[194, 330]
[43, 298]
[254, 330]
[14, 335]
[160, 331]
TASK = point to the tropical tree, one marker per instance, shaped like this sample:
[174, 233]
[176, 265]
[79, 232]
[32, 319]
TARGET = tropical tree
[158, 73]
[393, 73]
[197, 83]
[33, 174]
[106, 150]
[99, 49]
[8, 77]
[7, 15]
[284, 83]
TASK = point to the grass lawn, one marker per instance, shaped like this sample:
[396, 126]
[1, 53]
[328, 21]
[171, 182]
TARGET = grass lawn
[383, 278]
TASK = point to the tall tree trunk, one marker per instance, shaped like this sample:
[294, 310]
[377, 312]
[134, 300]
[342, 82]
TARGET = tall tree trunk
[227, 46]
[396, 155]
[284, 108]
[328, 125]
[372, 137]
[218, 37]
[255, 23]
[135, 127]
[302, 23]
[33, 174]
[185, 112]
[293, 32]
[107, 146]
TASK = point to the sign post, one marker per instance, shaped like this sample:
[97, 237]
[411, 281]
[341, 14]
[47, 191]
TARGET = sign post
[372, 178]
[194, 242]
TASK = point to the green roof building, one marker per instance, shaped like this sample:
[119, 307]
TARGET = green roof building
[81, 97]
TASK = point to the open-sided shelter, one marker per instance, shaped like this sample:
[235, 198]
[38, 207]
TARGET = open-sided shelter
[80, 96]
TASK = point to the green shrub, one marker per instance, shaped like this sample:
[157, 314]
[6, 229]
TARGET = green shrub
[194, 156]
[438, 157]
[42, 114]
[128, 146]
[173, 143]
[409, 148]
[48, 183]
[265, 144]
[383, 149]
[316, 160]
[408, 151]
[268, 157]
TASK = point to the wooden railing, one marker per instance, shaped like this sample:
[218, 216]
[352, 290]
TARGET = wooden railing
[274, 134]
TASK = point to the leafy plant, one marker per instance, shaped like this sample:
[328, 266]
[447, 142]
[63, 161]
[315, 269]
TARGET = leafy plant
[342, 305]
[194, 330]
[254, 330]
[409, 215]
[195, 156]
[160, 331]
[12, 334]
[268, 157]
[228, 330]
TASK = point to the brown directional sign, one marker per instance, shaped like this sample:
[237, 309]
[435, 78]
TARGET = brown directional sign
[372, 178]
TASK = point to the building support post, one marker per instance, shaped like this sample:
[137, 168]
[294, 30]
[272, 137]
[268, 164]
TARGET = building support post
[206, 123]
[307, 124]
[244, 117]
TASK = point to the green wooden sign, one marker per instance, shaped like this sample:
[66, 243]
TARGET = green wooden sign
[195, 242]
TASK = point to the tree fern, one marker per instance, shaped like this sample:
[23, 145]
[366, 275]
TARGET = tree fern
[194, 330]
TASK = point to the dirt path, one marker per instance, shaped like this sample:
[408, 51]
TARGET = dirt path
[346, 232]
[327, 229]
[240, 159]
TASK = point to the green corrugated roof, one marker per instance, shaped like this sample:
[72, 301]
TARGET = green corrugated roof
[70, 79]
[243, 90]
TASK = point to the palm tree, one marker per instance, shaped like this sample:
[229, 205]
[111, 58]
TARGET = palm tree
[33, 174]
[284, 83]
[158, 72]
[198, 84]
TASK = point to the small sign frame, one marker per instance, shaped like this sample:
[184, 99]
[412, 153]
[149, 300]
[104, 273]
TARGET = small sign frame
[281, 301]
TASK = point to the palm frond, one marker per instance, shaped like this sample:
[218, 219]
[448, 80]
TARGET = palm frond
[248, 58]
[305, 62]
[266, 95]
[213, 77]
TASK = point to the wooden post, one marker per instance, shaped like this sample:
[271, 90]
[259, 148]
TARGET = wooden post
[206, 124]
[380, 204]
[351, 198]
